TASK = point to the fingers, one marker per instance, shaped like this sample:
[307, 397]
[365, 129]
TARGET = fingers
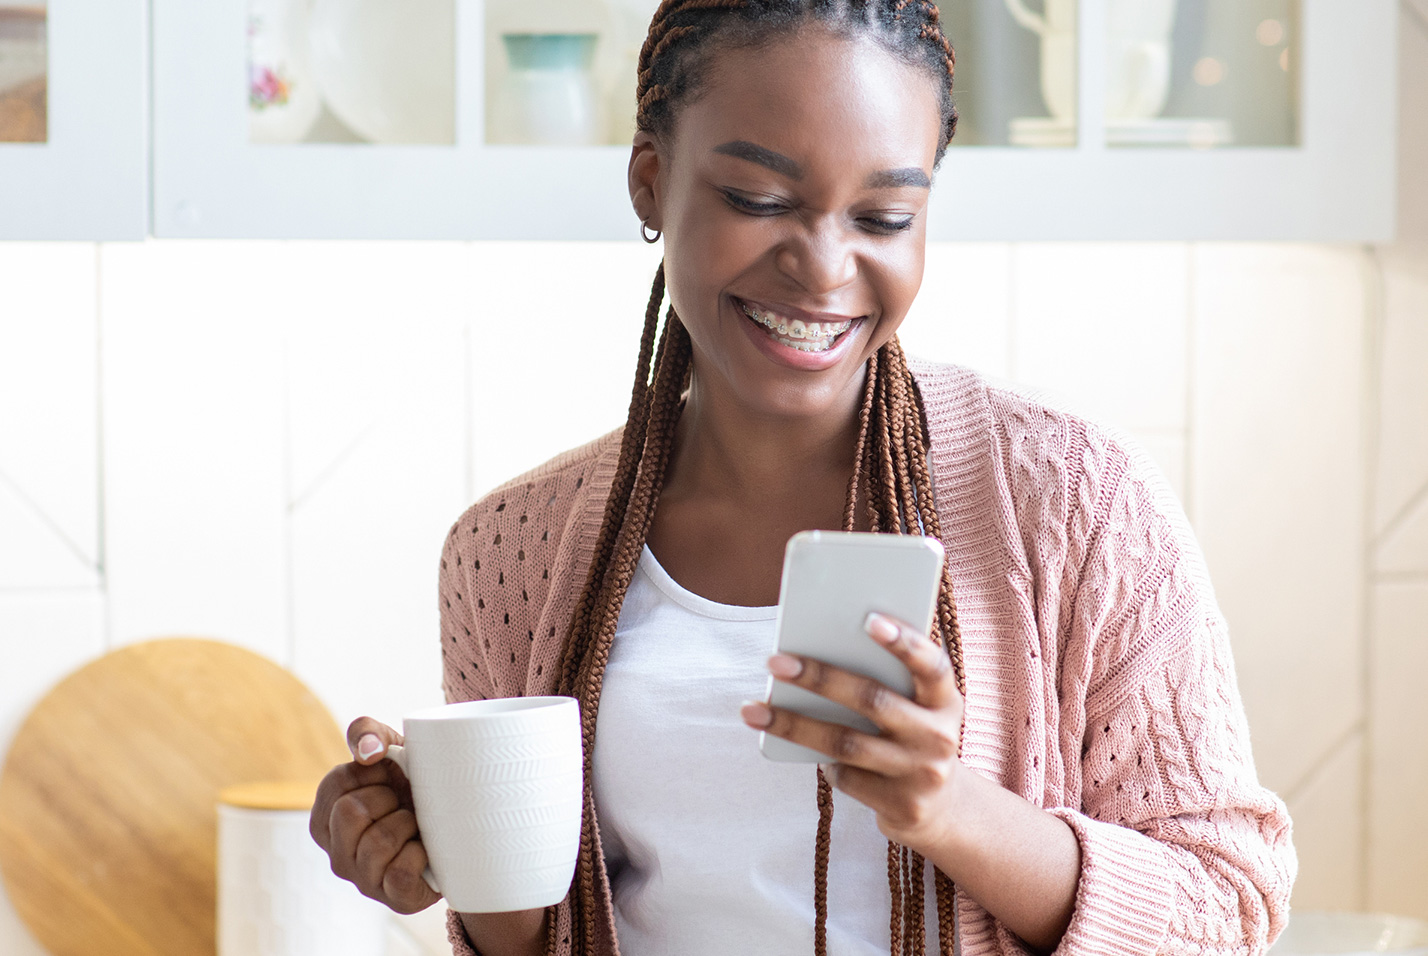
[889, 710]
[403, 881]
[368, 739]
[379, 846]
[842, 744]
[900, 807]
[912, 732]
[339, 781]
[933, 680]
[362, 816]
[353, 814]
[375, 844]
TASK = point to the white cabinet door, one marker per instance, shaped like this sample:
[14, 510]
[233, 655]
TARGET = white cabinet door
[73, 108]
[1331, 181]
[212, 179]
[1324, 174]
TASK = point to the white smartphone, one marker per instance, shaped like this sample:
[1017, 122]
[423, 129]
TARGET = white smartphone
[831, 581]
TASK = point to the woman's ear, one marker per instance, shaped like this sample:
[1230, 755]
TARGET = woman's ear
[646, 184]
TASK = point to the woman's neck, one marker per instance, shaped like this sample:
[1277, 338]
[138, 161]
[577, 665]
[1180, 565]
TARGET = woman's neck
[723, 448]
[739, 484]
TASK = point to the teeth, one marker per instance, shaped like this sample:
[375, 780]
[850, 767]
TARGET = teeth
[804, 336]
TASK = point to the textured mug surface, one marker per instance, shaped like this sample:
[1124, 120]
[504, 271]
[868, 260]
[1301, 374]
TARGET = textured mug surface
[498, 789]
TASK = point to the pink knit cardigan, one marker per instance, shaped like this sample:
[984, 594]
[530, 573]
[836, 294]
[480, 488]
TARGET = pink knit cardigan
[1100, 684]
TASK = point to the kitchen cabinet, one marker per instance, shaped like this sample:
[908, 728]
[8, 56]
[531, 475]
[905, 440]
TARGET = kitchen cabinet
[212, 178]
[1103, 119]
[1310, 157]
[73, 109]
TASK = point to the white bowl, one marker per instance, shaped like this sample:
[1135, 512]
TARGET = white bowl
[387, 68]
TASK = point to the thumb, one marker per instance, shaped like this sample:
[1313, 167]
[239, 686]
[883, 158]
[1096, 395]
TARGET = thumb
[368, 739]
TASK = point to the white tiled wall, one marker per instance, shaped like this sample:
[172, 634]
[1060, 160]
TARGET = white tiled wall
[1278, 483]
[1105, 325]
[49, 498]
[265, 442]
[1397, 658]
[289, 428]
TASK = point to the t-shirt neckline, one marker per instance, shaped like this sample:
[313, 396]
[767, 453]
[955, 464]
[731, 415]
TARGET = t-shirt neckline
[651, 568]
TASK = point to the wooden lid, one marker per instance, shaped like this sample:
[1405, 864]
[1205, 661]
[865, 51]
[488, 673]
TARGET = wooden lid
[270, 795]
[108, 812]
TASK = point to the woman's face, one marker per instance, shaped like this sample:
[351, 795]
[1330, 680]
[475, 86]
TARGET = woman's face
[793, 200]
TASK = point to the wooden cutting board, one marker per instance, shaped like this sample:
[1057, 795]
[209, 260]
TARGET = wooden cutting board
[108, 820]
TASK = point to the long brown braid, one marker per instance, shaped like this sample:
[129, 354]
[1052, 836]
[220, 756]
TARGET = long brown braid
[889, 462]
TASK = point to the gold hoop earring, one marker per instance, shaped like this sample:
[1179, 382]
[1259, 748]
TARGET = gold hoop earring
[644, 232]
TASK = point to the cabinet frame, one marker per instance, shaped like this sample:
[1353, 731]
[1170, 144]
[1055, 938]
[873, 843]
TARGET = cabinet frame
[90, 179]
[1337, 185]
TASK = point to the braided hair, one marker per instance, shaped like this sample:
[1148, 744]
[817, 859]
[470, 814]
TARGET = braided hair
[890, 459]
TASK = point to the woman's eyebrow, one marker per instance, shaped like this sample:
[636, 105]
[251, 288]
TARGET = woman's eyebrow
[893, 178]
[754, 153]
[781, 164]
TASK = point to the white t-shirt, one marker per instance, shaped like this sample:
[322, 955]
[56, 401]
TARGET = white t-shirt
[710, 845]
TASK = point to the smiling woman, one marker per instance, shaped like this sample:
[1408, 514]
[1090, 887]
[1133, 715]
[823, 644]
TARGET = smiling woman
[1072, 770]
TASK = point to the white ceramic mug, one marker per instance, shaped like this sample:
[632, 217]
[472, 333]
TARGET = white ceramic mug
[1137, 55]
[498, 788]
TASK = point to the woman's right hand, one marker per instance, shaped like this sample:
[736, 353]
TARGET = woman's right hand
[363, 817]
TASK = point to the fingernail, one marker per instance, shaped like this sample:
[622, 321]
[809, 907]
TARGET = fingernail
[830, 773]
[881, 629]
[756, 714]
[782, 665]
[368, 746]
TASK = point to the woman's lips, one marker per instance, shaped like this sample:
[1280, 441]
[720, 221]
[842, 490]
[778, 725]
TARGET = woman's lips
[797, 329]
[795, 338]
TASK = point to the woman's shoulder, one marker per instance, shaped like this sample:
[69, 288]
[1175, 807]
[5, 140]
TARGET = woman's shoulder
[1049, 482]
[528, 516]
[552, 483]
[1037, 437]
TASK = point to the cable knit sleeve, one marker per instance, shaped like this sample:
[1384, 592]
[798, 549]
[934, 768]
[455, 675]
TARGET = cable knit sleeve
[1183, 851]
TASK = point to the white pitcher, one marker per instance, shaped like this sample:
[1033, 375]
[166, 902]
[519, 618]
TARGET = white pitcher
[1137, 55]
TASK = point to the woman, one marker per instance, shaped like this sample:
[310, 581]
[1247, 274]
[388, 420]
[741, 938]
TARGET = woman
[1073, 770]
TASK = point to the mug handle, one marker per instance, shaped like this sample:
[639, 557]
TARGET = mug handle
[397, 754]
[1032, 21]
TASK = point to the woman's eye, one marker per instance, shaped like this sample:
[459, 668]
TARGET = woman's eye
[751, 206]
[887, 224]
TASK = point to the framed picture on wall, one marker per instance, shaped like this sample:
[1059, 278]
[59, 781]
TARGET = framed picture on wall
[73, 119]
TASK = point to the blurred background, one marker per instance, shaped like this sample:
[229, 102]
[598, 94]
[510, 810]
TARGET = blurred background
[264, 440]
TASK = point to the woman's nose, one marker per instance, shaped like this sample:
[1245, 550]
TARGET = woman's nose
[821, 259]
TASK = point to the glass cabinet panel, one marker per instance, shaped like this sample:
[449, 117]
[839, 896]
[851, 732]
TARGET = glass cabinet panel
[563, 73]
[73, 104]
[1186, 73]
[1016, 71]
[1225, 73]
[520, 123]
[351, 71]
[24, 72]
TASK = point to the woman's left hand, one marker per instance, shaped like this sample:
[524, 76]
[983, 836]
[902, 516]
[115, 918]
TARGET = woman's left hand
[908, 774]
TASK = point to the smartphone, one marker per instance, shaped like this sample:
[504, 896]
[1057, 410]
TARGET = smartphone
[831, 581]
